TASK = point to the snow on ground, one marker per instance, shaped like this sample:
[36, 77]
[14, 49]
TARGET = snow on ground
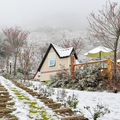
[92, 99]
[109, 100]
[24, 111]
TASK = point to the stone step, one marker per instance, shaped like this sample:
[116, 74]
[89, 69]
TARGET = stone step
[7, 110]
[10, 103]
[4, 104]
[42, 97]
[22, 86]
[5, 99]
[28, 90]
[39, 95]
[1, 108]
[5, 96]
[3, 89]
[77, 117]
[5, 93]
[13, 118]
[54, 105]
[65, 111]
[33, 93]
[46, 101]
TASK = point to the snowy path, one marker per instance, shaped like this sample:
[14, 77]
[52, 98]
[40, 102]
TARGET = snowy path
[109, 100]
[28, 107]
[24, 111]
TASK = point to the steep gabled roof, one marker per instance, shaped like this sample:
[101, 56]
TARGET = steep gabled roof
[61, 52]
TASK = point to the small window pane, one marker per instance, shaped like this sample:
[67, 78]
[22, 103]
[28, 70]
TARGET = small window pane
[52, 63]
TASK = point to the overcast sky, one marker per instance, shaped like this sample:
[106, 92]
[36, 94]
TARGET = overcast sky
[39, 13]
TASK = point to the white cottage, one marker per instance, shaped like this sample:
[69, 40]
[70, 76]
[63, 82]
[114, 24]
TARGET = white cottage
[56, 59]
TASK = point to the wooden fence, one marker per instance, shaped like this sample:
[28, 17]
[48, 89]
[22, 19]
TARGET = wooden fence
[107, 65]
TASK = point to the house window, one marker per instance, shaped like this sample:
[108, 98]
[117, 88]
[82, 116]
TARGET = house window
[52, 63]
[39, 76]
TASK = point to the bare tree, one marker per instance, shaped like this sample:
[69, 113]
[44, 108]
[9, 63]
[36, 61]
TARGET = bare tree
[6, 51]
[16, 37]
[43, 48]
[1, 49]
[106, 27]
[26, 59]
[75, 43]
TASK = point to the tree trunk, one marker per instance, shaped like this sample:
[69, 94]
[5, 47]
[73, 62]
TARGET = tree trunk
[115, 70]
[7, 64]
[115, 58]
[15, 64]
[25, 73]
[24, 76]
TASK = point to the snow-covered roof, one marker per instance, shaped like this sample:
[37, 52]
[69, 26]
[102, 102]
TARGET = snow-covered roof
[63, 52]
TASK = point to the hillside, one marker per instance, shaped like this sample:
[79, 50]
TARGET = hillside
[57, 35]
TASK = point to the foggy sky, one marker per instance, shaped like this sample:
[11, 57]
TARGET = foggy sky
[38, 13]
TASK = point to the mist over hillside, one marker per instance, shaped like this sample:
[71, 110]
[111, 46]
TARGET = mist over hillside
[57, 35]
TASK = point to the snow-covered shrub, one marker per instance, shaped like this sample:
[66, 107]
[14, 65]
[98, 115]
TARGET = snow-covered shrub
[68, 86]
[19, 76]
[61, 95]
[59, 80]
[19, 70]
[6, 75]
[51, 82]
[72, 101]
[82, 79]
[74, 86]
[59, 83]
[29, 84]
[55, 84]
[98, 111]
[35, 88]
[80, 87]
[46, 91]
[11, 76]
[30, 76]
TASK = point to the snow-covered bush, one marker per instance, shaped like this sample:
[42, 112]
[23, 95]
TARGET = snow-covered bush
[59, 80]
[29, 84]
[19, 70]
[61, 95]
[46, 91]
[72, 101]
[98, 111]
[5, 74]
[83, 79]
[19, 75]
[11, 76]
